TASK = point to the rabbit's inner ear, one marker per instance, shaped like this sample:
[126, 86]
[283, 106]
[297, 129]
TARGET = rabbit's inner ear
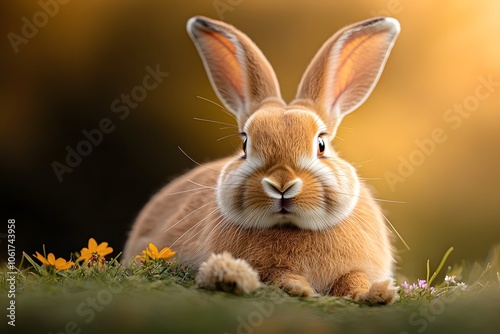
[241, 76]
[345, 70]
[220, 59]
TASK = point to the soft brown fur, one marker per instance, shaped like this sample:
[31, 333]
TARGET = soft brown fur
[330, 236]
[321, 257]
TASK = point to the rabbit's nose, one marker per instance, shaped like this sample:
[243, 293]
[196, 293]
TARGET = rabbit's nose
[288, 190]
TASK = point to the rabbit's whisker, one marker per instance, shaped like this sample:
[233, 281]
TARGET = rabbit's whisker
[207, 225]
[212, 121]
[211, 233]
[185, 191]
[395, 231]
[187, 215]
[194, 225]
[202, 185]
[224, 110]
[231, 135]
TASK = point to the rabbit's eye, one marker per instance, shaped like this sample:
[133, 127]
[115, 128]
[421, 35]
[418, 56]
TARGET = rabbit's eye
[321, 147]
[245, 146]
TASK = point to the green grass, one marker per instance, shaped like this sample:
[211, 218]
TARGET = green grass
[163, 297]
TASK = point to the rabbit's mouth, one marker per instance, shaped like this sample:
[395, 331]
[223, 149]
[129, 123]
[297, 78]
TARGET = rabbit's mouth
[283, 206]
[284, 211]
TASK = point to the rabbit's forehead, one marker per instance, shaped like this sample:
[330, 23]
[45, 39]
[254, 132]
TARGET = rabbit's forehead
[296, 123]
[287, 135]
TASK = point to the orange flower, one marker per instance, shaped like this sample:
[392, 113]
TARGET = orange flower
[152, 253]
[95, 252]
[50, 261]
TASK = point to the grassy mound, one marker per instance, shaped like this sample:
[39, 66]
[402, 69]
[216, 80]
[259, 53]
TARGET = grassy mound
[160, 295]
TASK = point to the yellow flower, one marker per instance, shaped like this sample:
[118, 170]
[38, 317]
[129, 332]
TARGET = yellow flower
[50, 261]
[152, 253]
[95, 252]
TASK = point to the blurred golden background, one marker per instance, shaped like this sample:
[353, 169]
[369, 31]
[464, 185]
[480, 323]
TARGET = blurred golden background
[428, 136]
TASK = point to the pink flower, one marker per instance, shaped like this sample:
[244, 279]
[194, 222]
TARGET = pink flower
[422, 284]
[449, 279]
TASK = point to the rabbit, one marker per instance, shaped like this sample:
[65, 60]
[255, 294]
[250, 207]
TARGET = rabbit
[285, 209]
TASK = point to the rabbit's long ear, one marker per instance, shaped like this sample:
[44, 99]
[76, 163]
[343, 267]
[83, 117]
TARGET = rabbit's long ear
[240, 74]
[345, 70]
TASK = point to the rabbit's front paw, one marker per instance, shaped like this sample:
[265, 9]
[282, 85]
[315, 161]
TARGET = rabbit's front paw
[380, 293]
[224, 272]
[296, 285]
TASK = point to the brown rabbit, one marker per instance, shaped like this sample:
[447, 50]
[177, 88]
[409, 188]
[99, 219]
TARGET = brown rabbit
[287, 204]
